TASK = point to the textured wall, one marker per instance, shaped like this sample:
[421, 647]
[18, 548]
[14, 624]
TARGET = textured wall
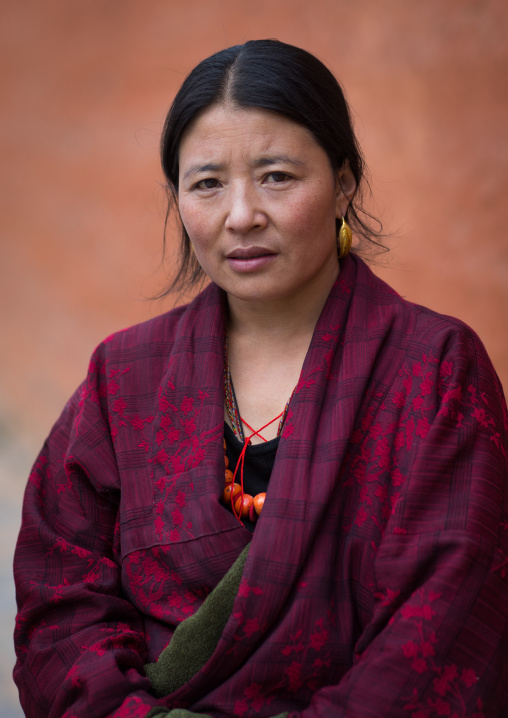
[85, 90]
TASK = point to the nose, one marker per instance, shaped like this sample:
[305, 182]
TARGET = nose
[244, 213]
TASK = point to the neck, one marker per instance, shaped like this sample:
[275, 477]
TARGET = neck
[267, 345]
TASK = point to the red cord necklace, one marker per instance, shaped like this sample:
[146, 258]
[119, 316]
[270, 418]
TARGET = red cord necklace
[243, 505]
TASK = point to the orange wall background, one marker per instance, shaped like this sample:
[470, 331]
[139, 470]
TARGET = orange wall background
[85, 89]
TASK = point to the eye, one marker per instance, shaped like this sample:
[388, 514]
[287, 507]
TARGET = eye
[277, 177]
[208, 183]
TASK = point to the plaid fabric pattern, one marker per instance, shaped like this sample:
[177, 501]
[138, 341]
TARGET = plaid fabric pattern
[377, 578]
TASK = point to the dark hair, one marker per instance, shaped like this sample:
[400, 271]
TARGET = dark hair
[270, 75]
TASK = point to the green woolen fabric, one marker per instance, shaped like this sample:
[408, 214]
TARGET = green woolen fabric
[195, 639]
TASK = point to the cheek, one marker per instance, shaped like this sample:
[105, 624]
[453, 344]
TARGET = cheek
[311, 215]
[196, 221]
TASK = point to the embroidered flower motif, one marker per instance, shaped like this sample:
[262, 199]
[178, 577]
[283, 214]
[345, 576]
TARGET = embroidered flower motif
[251, 626]
[318, 639]
[422, 427]
[119, 405]
[186, 405]
[241, 708]
[446, 698]
[244, 589]
[446, 368]
[469, 677]
[178, 450]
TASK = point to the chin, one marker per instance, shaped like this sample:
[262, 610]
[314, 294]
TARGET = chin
[260, 295]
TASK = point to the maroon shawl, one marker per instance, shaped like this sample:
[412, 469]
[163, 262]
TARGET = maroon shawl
[377, 580]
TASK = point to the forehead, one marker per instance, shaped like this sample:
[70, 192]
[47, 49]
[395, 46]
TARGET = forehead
[223, 128]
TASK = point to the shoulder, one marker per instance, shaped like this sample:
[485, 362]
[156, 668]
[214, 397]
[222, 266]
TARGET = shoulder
[134, 361]
[159, 334]
[449, 340]
[427, 328]
[432, 348]
[446, 371]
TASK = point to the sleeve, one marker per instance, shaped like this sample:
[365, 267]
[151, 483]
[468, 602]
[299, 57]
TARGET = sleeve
[437, 642]
[80, 645]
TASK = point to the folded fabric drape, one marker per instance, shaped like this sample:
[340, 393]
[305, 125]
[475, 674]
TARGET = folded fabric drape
[376, 581]
[196, 638]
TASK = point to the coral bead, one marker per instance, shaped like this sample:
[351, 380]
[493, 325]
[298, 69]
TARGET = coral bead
[231, 488]
[243, 504]
[259, 501]
[226, 461]
[229, 476]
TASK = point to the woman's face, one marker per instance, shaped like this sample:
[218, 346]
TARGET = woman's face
[258, 198]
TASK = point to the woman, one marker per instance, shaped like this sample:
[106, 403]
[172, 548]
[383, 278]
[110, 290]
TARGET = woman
[375, 581]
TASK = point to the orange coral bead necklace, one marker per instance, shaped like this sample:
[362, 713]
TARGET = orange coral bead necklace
[243, 505]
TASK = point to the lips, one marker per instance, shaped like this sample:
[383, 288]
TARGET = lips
[250, 259]
[249, 253]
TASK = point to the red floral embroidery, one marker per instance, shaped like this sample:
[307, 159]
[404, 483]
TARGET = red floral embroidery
[254, 700]
[449, 683]
[180, 449]
[133, 707]
[153, 586]
[244, 589]
[300, 646]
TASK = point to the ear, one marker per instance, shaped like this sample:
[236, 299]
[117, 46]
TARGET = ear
[345, 186]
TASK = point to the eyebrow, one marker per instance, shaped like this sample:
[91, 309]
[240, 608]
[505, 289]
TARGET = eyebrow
[197, 169]
[261, 162]
[277, 159]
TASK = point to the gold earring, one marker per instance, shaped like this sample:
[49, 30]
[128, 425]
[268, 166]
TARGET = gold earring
[345, 239]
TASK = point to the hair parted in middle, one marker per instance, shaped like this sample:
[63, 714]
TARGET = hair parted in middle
[268, 75]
